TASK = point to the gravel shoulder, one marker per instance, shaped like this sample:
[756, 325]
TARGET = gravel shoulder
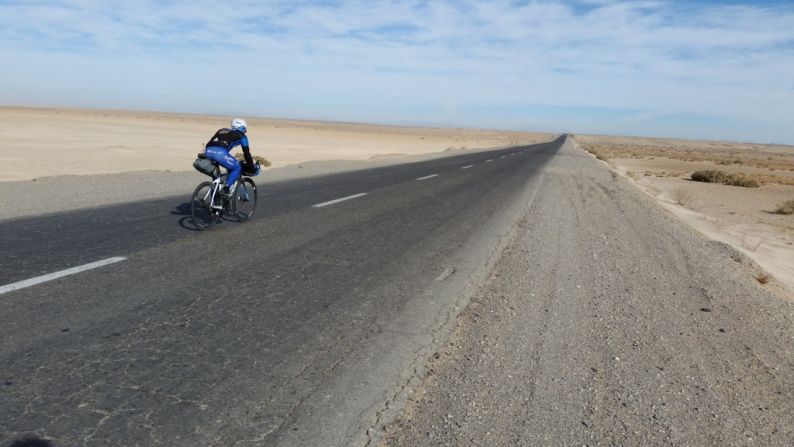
[609, 322]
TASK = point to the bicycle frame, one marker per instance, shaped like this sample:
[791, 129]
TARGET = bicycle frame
[216, 184]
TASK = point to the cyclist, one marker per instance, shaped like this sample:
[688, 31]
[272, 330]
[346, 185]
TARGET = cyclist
[219, 146]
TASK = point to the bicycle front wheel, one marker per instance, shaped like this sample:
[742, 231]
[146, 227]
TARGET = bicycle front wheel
[245, 199]
[200, 206]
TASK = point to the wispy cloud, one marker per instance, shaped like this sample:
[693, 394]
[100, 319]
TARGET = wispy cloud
[564, 64]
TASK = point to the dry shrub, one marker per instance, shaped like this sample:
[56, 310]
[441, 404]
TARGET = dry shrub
[749, 244]
[682, 196]
[709, 176]
[599, 155]
[771, 178]
[744, 182]
[692, 152]
[712, 176]
[786, 207]
[762, 278]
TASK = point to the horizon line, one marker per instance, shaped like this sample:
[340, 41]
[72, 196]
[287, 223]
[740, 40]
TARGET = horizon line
[436, 126]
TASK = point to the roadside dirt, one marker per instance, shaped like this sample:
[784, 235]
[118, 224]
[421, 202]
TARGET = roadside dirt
[609, 322]
[745, 218]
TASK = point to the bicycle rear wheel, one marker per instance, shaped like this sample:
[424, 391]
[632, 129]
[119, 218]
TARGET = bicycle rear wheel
[245, 199]
[200, 206]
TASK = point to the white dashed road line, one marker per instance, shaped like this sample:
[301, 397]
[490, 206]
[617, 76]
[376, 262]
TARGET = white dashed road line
[331, 202]
[467, 167]
[51, 276]
[427, 177]
[489, 160]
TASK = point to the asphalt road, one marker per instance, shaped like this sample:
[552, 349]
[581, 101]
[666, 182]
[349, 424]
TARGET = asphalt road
[296, 328]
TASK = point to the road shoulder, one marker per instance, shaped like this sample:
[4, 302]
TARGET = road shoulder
[607, 321]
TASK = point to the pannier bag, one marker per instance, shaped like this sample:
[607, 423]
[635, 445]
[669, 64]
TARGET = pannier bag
[204, 166]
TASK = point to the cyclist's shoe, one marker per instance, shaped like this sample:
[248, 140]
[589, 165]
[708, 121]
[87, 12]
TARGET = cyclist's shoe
[228, 192]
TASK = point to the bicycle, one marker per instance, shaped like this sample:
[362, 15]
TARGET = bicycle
[208, 205]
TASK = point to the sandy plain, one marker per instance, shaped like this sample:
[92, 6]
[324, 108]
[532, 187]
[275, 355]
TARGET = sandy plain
[745, 218]
[46, 142]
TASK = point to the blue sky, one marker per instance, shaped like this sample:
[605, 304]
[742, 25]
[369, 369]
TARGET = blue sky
[695, 69]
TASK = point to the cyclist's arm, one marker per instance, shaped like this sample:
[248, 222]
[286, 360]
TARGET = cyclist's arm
[246, 151]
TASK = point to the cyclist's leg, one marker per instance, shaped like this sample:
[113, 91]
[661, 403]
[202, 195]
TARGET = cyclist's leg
[234, 169]
[225, 159]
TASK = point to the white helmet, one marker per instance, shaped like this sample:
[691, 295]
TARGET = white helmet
[239, 124]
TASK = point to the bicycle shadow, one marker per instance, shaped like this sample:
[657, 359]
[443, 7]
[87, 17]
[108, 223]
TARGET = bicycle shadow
[31, 441]
[183, 209]
[186, 221]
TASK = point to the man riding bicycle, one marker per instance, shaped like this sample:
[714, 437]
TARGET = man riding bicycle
[219, 146]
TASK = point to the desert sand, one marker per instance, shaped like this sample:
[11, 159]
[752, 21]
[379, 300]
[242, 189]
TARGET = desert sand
[742, 217]
[39, 142]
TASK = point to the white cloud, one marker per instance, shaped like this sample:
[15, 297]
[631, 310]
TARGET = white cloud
[435, 62]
